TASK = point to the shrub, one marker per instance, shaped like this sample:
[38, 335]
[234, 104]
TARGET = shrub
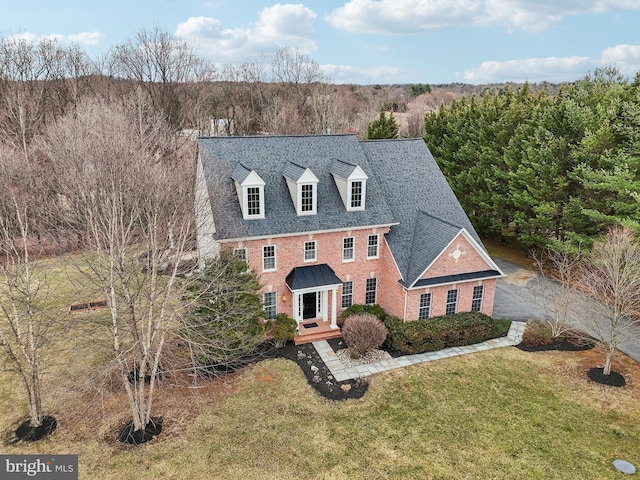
[363, 332]
[437, 333]
[282, 329]
[536, 334]
[357, 309]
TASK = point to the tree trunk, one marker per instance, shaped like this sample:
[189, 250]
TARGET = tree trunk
[609, 349]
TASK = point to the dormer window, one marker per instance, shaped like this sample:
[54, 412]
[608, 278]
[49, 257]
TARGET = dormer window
[352, 184]
[356, 194]
[306, 198]
[303, 188]
[254, 202]
[250, 189]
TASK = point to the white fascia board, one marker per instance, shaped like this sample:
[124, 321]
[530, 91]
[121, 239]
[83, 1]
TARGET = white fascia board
[307, 177]
[253, 180]
[485, 256]
[358, 174]
[297, 234]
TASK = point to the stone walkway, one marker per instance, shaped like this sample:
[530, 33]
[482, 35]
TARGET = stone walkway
[341, 373]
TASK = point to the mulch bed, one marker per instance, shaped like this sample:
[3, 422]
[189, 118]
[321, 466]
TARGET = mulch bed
[577, 341]
[26, 433]
[614, 379]
[309, 361]
[318, 375]
[136, 437]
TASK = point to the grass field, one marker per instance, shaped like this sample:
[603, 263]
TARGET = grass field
[499, 414]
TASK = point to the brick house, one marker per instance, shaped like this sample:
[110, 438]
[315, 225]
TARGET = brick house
[329, 221]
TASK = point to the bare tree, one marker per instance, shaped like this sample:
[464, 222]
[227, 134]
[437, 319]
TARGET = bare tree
[610, 274]
[553, 289]
[27, 71]
[132, 203]
[24, 289]
[159, 62]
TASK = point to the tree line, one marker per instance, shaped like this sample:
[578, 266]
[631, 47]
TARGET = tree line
[544, 169]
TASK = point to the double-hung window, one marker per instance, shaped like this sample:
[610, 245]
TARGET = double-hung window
[310, 251]
[452, 302]
[476, 301]
[270, 304]
[356, 194]
[268, 258]
[371, 290]
[372, 246]
[425, 306]
[347, 294]
[240, 253]
[348, 249]
[306, 197]
[253, 201]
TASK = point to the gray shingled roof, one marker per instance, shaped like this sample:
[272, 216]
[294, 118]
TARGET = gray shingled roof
[270, 156]
[241, 172]
[341, 168]
[406, 189]
[294, 171]
[428, 211]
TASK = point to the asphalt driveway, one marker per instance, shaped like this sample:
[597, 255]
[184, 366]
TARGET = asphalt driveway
[519, 298]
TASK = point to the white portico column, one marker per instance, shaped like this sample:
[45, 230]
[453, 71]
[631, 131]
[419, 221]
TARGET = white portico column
[334, 308]
[296, 307]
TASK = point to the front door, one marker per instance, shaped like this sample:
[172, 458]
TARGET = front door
[309, 305]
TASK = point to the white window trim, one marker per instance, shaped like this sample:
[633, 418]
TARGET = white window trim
[353, 248]
[236, 251]
[252, 181]
[428, 307]
[455, 303]
[481, 298]
[350, 194]
[315, 251]
[350, 295]
[377, 255]
[275, 259]
[314, 199]
[375, 291]
[274, 295]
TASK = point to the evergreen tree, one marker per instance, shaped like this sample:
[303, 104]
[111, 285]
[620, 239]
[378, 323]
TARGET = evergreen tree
[383, 127]
[223, 325]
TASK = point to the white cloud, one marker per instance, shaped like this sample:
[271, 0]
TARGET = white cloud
[86, 38]
[381, 74]
[556, 69]
[409, 16]
[280, 25]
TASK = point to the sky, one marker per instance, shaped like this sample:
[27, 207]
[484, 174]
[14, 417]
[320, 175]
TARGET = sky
[365, 41]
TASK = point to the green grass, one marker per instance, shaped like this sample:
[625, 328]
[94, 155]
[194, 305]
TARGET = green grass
[499, 414]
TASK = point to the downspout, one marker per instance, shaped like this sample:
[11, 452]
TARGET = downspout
[404, 312]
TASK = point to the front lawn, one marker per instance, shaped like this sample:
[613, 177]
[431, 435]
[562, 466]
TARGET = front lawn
[500, 414]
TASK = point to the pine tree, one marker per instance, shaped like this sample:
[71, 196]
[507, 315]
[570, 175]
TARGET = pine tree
[383, 127]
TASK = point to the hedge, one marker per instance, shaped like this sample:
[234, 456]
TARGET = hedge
[432, 334]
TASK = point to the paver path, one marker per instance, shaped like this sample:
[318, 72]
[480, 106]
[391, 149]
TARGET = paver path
[341, 373]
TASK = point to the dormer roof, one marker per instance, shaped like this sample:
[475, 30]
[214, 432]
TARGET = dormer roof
[347, 170]
[280, 158]
[299, 174]
[246, 176]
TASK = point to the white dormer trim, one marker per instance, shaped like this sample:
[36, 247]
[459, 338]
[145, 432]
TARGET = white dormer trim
[247, 191]
[347, 190]
[304, 193]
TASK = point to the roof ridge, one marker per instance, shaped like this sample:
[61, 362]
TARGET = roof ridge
[440, 219]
